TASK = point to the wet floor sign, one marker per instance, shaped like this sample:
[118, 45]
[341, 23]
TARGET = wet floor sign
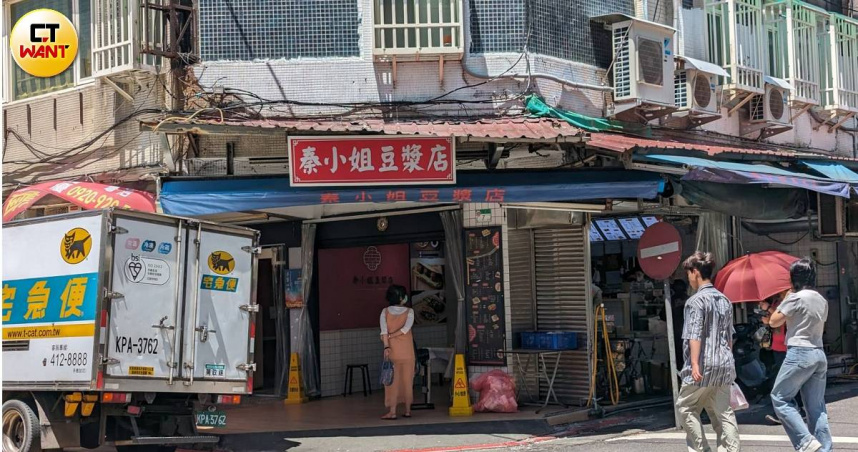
[296, 391]
[461, 399]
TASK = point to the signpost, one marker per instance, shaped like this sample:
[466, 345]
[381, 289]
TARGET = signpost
[659, 253]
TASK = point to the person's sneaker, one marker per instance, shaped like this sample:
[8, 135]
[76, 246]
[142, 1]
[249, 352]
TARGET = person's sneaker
[812, 446]
[773, 419]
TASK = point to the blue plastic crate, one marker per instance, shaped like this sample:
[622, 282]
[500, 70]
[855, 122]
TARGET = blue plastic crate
[558, 340]
[529, 339]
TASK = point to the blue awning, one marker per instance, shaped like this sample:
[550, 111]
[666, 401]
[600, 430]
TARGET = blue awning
[833, 171]
[206, 196]
[749, 173]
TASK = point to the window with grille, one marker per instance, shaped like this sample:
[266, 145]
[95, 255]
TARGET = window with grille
[411, 27]
[736, 41]
[24, 85]
[840, 64]
[792, 31]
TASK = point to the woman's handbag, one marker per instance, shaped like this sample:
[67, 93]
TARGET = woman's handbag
[386, 376]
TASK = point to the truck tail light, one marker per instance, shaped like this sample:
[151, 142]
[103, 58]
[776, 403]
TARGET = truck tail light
[134, 410]
[228, 399]
[116, 397]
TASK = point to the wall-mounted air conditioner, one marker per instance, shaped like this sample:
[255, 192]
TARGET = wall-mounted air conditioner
[838, 216]
[642, 70]
[695, 93]
[769, 113]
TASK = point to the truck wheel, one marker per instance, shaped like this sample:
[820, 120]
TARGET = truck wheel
[21, 430]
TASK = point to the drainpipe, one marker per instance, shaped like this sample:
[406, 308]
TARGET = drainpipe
[679, 26]
[468, 70]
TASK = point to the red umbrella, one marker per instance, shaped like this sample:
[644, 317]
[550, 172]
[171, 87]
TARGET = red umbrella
[755, 277]
[88, 195]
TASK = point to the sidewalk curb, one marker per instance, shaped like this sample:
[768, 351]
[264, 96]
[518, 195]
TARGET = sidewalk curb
[588, 426]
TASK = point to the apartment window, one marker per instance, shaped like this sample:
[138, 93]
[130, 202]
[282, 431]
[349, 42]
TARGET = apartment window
[405, 27]
[25, 85]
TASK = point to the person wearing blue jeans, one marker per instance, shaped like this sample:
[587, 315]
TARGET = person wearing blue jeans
[804, 370]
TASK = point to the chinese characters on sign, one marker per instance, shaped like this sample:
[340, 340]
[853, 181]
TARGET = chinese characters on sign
[328, 161]
[426, 195]
[219, 283]
[40, 308]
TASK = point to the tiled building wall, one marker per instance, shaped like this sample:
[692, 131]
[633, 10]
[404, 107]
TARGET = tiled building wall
[363, 346]
[55, 124]
[272, 29]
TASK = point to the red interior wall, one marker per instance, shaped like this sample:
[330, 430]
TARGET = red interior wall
[351, 295]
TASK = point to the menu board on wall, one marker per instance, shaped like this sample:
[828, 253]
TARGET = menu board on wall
[484, 295]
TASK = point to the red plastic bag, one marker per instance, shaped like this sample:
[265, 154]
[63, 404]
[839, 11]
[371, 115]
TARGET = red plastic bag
[497, 392]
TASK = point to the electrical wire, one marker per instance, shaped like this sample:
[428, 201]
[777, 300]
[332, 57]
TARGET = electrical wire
[787, 243]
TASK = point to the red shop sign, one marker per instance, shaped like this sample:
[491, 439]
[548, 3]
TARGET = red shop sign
[372, 160]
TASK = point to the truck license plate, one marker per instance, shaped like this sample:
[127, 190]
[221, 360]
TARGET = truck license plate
[211, 419]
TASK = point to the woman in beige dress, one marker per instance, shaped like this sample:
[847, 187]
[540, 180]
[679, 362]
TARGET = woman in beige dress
[396, 322]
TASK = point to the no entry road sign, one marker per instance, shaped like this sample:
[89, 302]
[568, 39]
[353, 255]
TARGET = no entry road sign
[660, 250]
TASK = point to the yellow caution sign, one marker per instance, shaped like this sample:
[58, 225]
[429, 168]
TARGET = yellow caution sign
[461, 399]
[296, 391]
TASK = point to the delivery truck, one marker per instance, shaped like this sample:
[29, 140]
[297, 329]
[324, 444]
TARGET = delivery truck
[124, 328]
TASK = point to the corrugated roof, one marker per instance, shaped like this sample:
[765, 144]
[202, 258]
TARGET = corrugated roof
[497, 128]
[622, 143]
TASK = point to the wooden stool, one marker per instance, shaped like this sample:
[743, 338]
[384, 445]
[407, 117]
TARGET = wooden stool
[347, 383]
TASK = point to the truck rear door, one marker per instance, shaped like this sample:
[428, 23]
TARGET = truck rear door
[221, 286]
[144, 308]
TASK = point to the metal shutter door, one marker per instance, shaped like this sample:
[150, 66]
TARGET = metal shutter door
[521, 291]
[561, 266]
[520, 251]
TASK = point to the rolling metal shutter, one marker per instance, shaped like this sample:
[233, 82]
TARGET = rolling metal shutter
[521, 274]
[522, 293]
[562, 264]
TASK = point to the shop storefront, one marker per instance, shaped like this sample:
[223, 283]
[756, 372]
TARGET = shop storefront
[364, 238]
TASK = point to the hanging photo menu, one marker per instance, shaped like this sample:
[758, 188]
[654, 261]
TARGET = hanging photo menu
[484, 296]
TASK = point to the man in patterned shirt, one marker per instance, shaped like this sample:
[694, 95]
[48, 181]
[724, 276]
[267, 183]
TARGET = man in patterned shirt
[709, 369]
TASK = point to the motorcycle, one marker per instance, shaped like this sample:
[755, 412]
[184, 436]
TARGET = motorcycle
[752, 374]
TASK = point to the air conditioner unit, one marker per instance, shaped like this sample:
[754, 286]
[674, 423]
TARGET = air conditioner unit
[771, 107]
[695, 93]
[769, 113]
[642, 70]
[837, 216]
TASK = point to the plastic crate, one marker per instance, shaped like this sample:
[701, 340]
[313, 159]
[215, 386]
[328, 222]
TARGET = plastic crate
[549, 340]
[558, 340]
[529, 339]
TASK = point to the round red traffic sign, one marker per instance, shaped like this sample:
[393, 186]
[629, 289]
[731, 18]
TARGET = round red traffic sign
[660, 250]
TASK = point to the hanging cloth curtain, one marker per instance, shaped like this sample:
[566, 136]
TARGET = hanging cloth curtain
[306, 345]
[712, 237]
[452, 221]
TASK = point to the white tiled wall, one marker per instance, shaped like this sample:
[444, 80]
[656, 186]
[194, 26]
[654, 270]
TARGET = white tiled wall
[471, 219]
[363, 346]
[801, 246]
